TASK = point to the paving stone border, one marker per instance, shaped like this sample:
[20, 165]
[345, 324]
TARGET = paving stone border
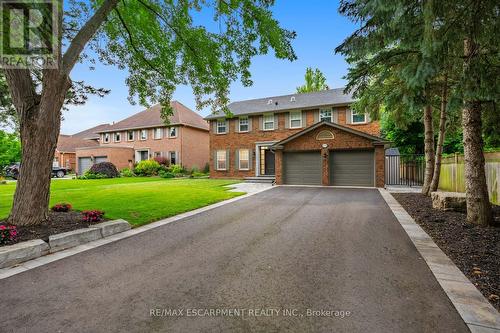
[479, 315]
[12, 255]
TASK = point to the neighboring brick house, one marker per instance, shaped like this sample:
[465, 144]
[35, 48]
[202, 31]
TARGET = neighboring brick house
[145, 136]
[65, 154]
[311, 138]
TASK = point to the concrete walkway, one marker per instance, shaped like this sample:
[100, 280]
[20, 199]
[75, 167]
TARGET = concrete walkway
[287, 259]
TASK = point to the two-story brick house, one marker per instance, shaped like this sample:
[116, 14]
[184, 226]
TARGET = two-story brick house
[311, 138]
[144, 135]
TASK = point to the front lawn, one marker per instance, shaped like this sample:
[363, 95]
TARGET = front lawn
[137, 200]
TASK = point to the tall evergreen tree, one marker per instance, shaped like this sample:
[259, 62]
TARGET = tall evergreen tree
[315, 80]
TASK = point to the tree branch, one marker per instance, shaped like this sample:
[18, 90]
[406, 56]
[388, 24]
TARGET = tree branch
[85, 34]
[22, 91]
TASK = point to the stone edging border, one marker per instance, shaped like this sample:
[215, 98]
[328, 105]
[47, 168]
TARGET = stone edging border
[51, 257]
[479, 315]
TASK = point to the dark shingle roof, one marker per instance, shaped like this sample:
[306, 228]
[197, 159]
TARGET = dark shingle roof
[91, 133]
[289, 102]
[152, 117]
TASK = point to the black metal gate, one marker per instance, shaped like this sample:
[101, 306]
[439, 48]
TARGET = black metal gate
[404, 170]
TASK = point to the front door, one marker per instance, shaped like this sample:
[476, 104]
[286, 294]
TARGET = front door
[269, 162]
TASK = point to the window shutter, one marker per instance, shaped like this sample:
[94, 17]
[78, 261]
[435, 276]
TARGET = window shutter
[227, 126]
[276, 125]
[261, 122]
[368, 118]
[236, 159]
[178, 158]
[316, 116]
[215, 159]
[335, 116]
[287, 120]
[250, 165]
[214, 126]
[348, 116]
[236, 125]
[250, 124]
[227, 160]
[304, 118]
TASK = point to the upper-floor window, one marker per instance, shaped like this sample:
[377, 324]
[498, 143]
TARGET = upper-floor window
[172, 132]
[243, 124]
[221, 126]
[221, 160]
[157, 133]
[130, 135]
[106, 137]
[295, 119]
[358, 118]
[244, 156]
[268, 122]
[144, 134]
[326, 114]
[118, 137]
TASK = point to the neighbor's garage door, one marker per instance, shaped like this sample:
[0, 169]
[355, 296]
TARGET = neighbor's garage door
[84, 163]
[99, 159]
[351, 168]
[302, 168]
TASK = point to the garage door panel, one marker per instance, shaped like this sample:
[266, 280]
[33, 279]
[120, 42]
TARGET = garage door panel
[84, 163]
[352, 168]
[302, 168]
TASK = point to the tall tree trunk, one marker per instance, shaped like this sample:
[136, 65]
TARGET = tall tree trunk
[476, 188]
[442, 132]
[429, 149]
[39, 130]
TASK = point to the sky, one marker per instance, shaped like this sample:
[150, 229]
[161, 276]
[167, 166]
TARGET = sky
[319, 30]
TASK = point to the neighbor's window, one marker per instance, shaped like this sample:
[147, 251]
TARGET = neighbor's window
[118, 137]
[106, 137]
[295, 119]
[326, 114]
[358, 118]
[243, 124]
[268, 122]
[172, 132]
[157, 133]
[244, 156]
[144, 134]
[221, 126]
[173, 157]
[130, 135]
[221, 160]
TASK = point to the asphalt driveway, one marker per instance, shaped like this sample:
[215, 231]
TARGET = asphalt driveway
[287, 259]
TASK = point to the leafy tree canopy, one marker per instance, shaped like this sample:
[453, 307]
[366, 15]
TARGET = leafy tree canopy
[10, 149]
[314, 81]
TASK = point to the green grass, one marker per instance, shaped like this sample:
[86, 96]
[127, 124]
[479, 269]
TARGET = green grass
[137, 200]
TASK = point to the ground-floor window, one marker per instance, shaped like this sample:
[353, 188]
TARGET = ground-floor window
[157, 153]
[221, 160]
[244, 157]
[173, 157]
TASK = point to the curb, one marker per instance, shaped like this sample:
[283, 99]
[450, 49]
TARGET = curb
[43, 260]
[479, 315]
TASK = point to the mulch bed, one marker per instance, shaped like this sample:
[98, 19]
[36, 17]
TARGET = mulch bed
[474, 249]
[57, 223]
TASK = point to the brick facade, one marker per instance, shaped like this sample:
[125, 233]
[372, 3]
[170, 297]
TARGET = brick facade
[121, 156]
[232, 140]
[65, 160]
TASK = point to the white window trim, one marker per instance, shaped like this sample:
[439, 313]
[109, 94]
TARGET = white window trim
[133, 135]
[169, 132]
[160, 131]
[239, 125]
[170, 157]
[248, 159]
[358, 122]
[104, 136]
[225, 160]
[331, 114]
[217, 126]
[264, 122]
[140, 135]
[114, 137]
[300, 119]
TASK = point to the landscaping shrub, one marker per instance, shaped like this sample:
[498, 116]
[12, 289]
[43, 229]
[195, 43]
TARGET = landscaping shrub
[206, 169]
[165, 174]
[61, 207]
[177, 169]
[162, 160]
[147, 168]
[92, 175]
[8, 234]
[105, 168]
[127, 173]
[92, 215]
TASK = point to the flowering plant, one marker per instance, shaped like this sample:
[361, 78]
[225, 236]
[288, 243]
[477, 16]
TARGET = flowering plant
[61, 207]
[8, 234]
[92, 215]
